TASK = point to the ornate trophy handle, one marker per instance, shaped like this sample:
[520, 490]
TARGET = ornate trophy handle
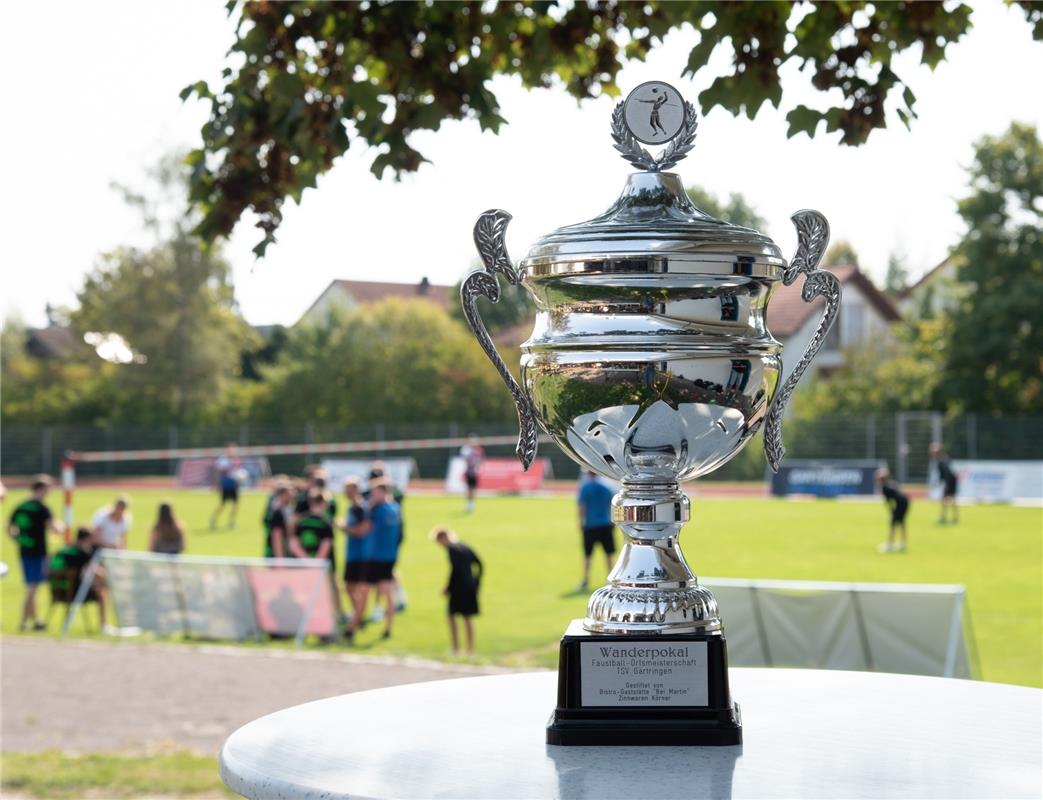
[489, 234]
[812, 238]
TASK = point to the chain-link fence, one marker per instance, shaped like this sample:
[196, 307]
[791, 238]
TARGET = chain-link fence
[900, 440]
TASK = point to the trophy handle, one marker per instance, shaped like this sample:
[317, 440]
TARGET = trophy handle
[489, 234]
[812, 238]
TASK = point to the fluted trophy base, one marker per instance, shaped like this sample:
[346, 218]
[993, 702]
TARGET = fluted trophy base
[649, 664]
[633, 690]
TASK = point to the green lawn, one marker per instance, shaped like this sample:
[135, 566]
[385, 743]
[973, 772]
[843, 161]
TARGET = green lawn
[55, 775]
[530, 547]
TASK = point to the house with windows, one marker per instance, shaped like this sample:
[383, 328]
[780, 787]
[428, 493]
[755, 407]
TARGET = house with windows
[346, 295]
[866, 315]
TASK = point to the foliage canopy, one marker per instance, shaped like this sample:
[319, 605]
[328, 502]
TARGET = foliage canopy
[994, 346]
[304, 80]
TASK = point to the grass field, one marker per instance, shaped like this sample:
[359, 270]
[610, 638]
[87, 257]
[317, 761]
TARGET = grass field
[530, 547]
[58, 776]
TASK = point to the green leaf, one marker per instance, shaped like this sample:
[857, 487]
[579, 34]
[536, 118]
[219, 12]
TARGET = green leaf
[803, 120]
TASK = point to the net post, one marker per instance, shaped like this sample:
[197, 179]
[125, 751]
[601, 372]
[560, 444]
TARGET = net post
[68, 487]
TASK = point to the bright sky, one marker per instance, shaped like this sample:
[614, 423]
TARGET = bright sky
[96, 101]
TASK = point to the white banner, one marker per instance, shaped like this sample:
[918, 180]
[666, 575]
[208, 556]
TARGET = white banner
[914, 629]
[994, 481]
[338, 470]
[217, 598]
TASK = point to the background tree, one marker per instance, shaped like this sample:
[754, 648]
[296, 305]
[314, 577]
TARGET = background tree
[174, 305]
[896, 280]
[401, 361]
[514, 307]
[304, 80]
[841, 252]
[736, 211]
[897, 373]
[994, 345]
[53, 390]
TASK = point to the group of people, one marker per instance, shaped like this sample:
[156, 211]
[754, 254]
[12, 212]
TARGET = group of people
[300, 521]
[898, 501]
[32, 520]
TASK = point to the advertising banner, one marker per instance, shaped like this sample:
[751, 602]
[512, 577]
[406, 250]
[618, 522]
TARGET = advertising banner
[824, 478]
[219, 598]
[202, 472]
[338, 470]
[282, 599]
[498, 475]
[994, 481]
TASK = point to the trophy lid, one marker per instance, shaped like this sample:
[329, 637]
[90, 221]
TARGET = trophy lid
[653, 216]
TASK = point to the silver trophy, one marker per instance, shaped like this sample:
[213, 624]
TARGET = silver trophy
[651, 362]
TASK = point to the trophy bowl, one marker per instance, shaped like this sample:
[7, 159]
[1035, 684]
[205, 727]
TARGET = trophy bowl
[651, 361]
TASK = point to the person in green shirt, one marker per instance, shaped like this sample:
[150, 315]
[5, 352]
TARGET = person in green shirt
[74, 558]
[29, 524]
[313, 538]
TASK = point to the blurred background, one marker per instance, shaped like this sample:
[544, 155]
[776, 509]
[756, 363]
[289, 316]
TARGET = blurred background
[249, 224]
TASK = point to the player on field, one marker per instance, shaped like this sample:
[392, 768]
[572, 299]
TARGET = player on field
[379, 470]
[227, 465]
[110, 524]
[595, 520]
[384, 524]
[950, 483]
[356, 556]
[312, 537]
[315, 477]
[168, 534]
[473, 455]
[29, 524]
[898, 503]
[277, 524]
[465, 575]
[74, 558]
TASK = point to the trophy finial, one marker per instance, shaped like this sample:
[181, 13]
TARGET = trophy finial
[654, 113]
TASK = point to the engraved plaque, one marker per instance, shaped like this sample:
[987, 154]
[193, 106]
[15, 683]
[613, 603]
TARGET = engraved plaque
[643, 674]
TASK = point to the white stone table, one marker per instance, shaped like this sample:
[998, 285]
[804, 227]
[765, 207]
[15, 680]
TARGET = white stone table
[806, 734]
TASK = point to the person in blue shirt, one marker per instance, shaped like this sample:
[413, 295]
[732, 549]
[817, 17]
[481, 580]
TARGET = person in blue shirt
[357, 555]
[384, 525]
[595, 519]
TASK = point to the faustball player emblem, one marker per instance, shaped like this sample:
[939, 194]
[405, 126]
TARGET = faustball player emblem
[654, 112]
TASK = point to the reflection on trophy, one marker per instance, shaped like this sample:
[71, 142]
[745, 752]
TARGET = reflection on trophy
[651, 363]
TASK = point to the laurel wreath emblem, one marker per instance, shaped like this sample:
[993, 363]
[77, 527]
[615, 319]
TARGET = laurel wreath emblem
[629, 147]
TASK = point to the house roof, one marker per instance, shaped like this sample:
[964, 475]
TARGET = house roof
[374, 291]
[51, 342]
[927, 277]
[787, 311]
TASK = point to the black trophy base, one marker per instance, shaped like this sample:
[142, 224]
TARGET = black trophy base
[626, 690]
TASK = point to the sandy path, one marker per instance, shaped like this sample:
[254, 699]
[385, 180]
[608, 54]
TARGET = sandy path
[94, 697]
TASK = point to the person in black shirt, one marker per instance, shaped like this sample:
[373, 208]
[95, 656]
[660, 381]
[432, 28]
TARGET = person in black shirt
[73, 560]
[276, 525]
[465, 575]
[898, 503]
[950, 483]
[316, 482]
[29, 524]
[312, 537]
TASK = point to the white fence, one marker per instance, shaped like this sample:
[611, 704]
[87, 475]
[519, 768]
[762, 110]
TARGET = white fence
[916, 629]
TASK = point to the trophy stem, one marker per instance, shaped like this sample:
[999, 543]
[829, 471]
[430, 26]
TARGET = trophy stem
[651, 589]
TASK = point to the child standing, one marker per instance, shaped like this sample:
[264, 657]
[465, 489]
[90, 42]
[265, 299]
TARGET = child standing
[30, 522]
[898, 502]
[465, 575]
